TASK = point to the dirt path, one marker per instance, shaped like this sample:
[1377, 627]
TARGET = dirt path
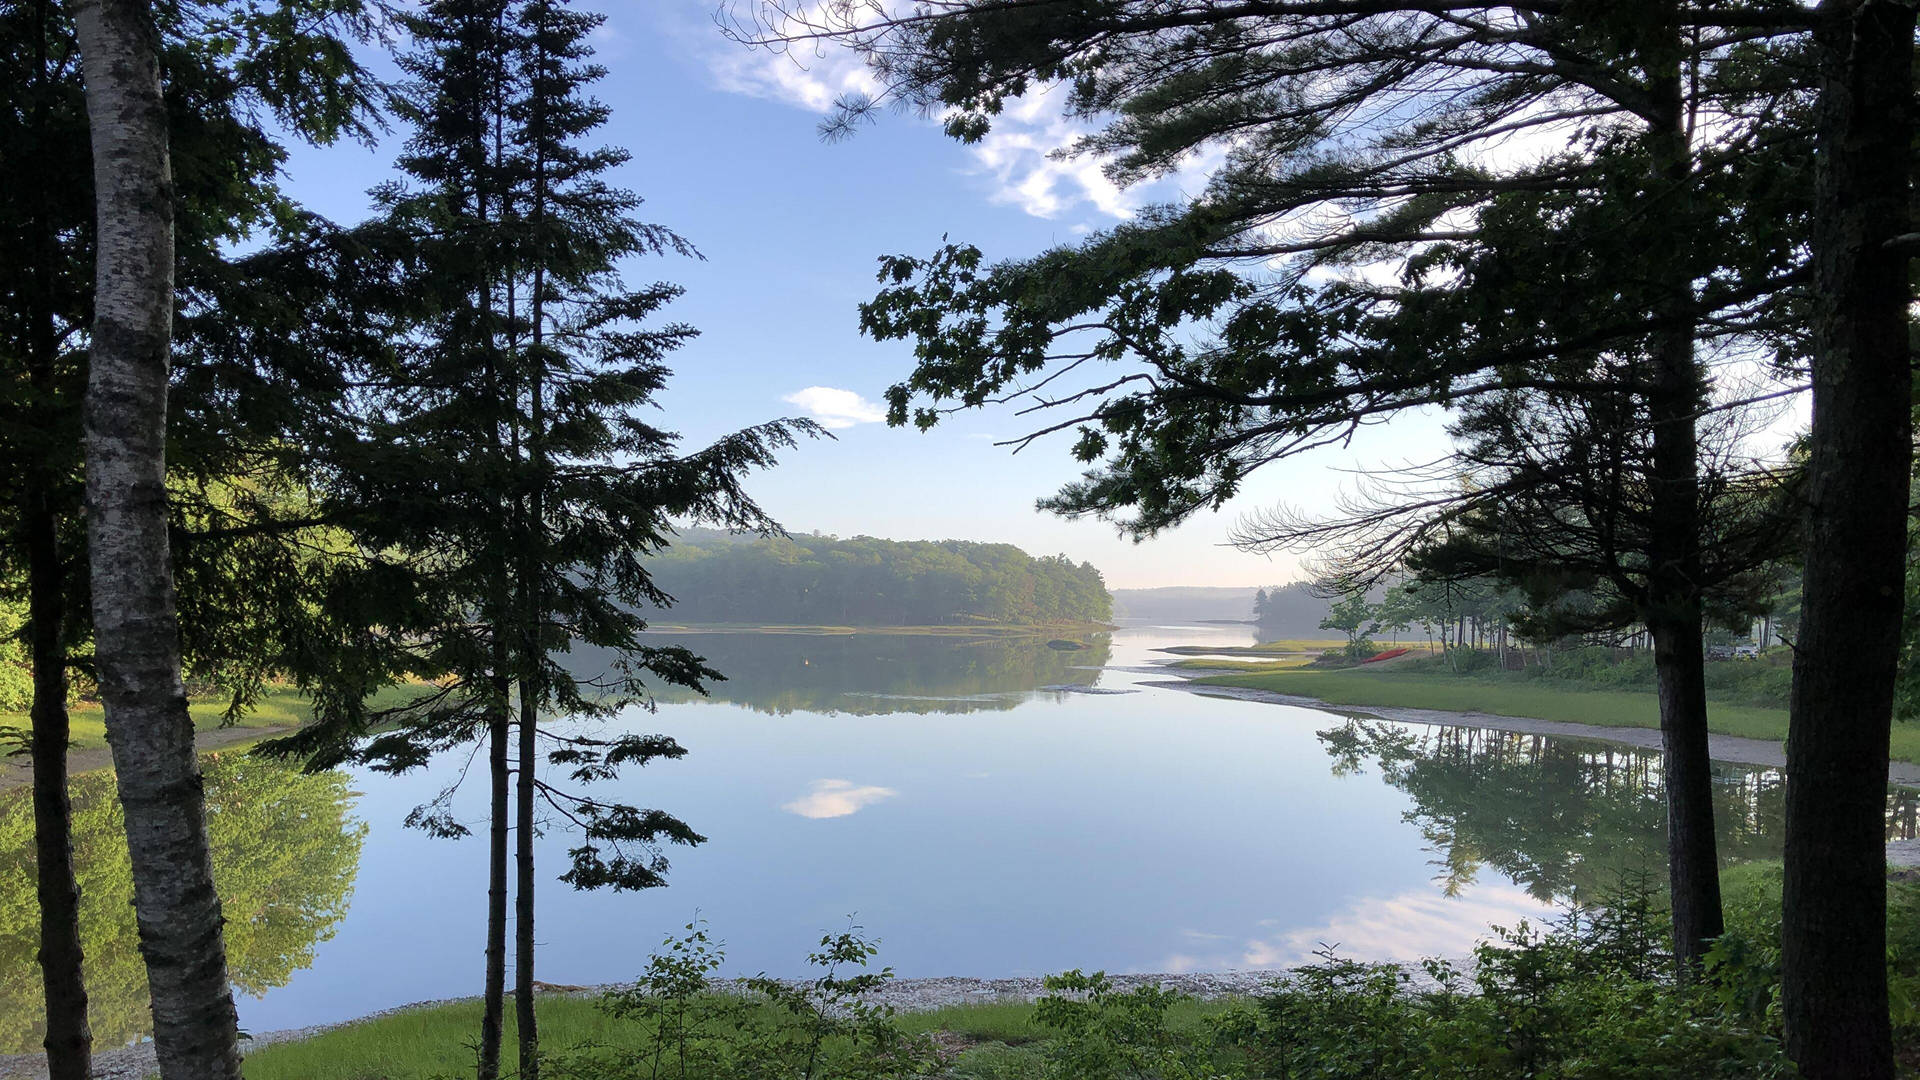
[17, 772]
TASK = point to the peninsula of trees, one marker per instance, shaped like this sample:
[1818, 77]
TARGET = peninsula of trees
[865, 581]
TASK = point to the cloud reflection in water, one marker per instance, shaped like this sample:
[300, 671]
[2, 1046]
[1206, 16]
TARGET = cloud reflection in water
[837, 798]
[1403, 929]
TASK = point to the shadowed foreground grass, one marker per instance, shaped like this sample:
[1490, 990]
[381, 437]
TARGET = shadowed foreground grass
[439, 1040]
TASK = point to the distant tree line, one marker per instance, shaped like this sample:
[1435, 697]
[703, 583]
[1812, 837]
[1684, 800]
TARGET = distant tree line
[865, 581]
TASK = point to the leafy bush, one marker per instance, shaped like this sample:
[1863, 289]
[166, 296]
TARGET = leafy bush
[1100, 1033]
[814, 1030]
[1587, 997]
[1744, 963]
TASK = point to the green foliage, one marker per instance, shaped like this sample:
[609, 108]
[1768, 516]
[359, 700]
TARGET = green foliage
[1743, 964]
[1355, 617]
[285, 852]
[822, 580]
[1585, 998]
[501, 483]
[16, 674]
[674, 1025]
[1101, 1033]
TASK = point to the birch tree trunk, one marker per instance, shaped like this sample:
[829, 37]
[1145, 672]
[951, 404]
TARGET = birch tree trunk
[1833, 928]
[136, 629]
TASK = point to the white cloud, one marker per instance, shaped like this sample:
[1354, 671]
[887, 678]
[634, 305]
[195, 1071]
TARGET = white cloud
[806, 77]
[836, 798]
[836, 408]
[1016, 157]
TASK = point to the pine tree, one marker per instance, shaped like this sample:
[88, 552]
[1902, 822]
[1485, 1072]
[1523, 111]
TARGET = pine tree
[503, 491]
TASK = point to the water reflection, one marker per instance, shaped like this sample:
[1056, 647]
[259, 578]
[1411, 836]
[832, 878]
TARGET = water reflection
[876, 674]
[837, 798]
[285, 852]
[1564, 818]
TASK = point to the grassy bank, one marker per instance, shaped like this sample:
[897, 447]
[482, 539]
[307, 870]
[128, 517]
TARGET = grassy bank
[1540, 699]
[281, 708]
[438, 1040]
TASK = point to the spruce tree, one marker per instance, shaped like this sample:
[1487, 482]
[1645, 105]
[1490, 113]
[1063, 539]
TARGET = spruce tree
[503, 490]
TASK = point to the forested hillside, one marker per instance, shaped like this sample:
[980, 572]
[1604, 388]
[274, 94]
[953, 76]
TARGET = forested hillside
[864, 581]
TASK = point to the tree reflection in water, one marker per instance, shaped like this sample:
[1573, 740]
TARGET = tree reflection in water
[1565, 818]
[285, 852]
[873, 674]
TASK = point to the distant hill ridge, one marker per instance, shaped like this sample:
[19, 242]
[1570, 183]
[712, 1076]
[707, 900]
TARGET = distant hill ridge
[717, 577]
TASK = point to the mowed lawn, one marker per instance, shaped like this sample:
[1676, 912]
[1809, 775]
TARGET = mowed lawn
[1539, 700]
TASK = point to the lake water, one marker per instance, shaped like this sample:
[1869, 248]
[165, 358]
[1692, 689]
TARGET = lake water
[952, 795]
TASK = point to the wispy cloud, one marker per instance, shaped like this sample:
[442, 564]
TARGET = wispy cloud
[837, 798]
[836, 408]
[1017, 157]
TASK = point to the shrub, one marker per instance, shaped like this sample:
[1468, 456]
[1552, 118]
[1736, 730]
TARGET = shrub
[813, 1030]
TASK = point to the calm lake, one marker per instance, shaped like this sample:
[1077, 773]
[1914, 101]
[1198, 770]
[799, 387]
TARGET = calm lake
[965, 800]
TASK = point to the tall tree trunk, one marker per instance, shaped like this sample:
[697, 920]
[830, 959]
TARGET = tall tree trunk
[69, 1040]
[1833, 929]
[136, 628]
[528, 1027]
[1673, 600]
[493, 1011]
[533, 608]
[1693, 870]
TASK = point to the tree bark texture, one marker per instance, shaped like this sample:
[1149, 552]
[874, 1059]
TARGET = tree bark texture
[1833, 933]
[136, 628]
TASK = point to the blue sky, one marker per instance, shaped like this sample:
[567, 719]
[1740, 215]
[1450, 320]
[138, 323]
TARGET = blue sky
[725, 152]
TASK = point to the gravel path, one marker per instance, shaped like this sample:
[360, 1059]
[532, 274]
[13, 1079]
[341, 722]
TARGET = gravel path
[908, 995]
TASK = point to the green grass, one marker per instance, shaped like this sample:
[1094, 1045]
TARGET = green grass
[1537, 699]
[1540, 699]
[438, 1040]
[279, 707]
